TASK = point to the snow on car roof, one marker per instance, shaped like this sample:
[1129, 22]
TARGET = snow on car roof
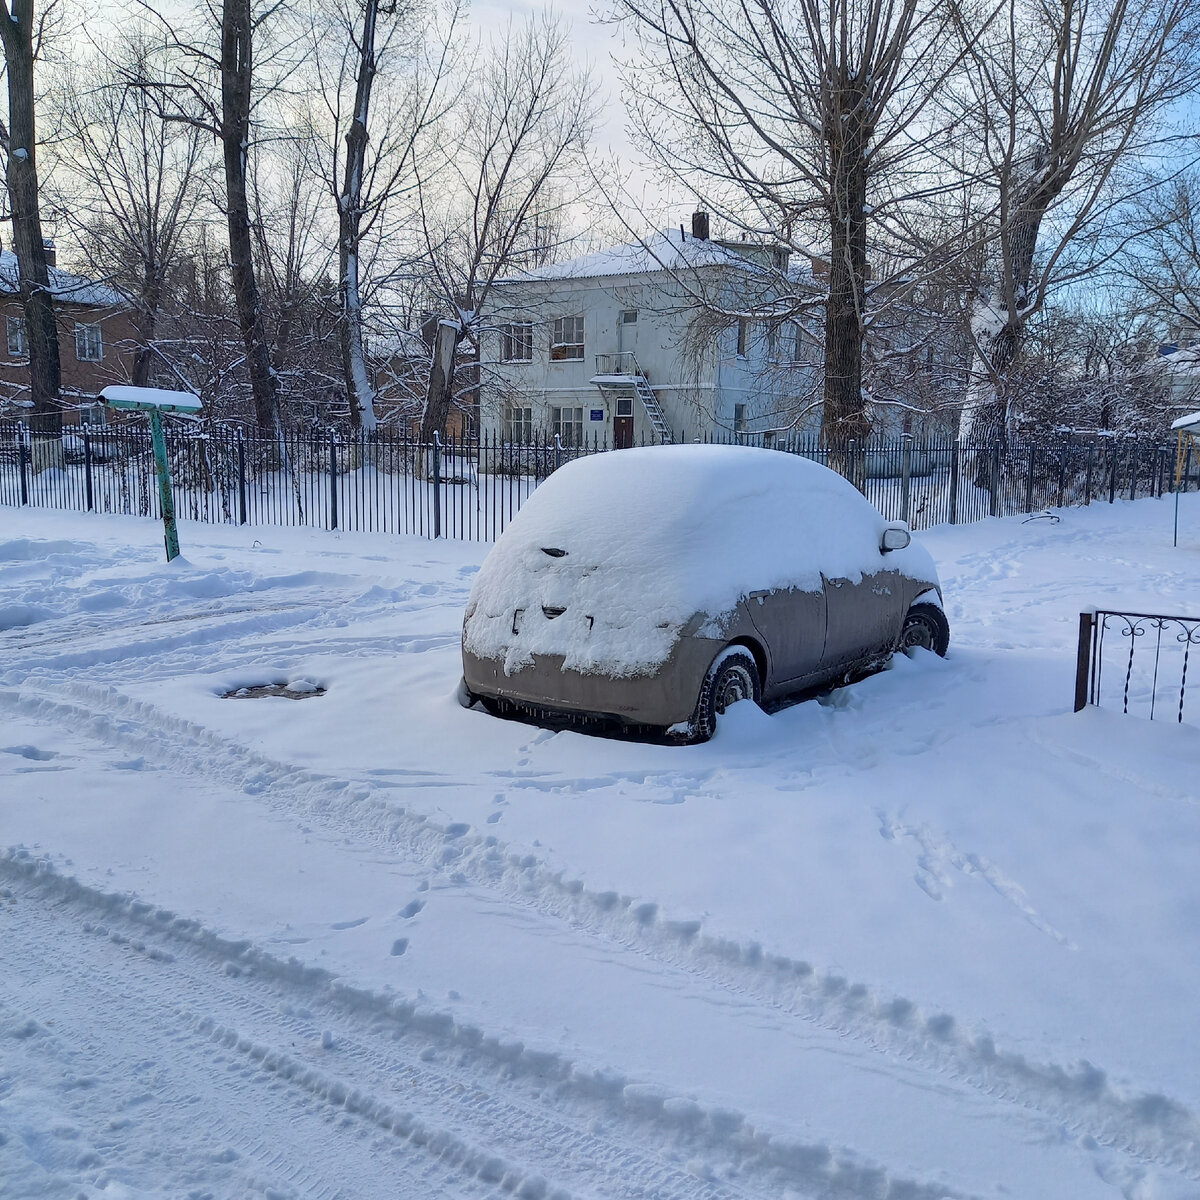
[654, 536]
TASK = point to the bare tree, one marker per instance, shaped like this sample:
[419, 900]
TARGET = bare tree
[20, 29]
[1067, 98]
[129, 181]
[381, 75]
[801, 122]
[216, 89]
[514, 154]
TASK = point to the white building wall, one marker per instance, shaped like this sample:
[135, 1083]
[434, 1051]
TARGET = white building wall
[697, 401]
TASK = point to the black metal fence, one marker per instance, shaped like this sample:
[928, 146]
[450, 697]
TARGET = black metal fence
[471, 488]
[1139, 660]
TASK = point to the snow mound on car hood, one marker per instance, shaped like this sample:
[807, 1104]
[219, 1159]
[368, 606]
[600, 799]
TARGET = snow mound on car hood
[656, 535]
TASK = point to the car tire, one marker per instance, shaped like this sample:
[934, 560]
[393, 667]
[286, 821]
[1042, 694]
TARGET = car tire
[925, 628]
[733, 676]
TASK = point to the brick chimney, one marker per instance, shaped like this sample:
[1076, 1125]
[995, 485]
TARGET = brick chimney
[51, 252]
[700, 225]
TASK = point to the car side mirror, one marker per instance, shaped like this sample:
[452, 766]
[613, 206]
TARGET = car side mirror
[895, 537]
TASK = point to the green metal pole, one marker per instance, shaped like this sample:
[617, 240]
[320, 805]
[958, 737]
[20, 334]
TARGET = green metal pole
[165, 500]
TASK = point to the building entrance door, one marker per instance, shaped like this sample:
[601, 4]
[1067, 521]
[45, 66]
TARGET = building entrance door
[623, 424]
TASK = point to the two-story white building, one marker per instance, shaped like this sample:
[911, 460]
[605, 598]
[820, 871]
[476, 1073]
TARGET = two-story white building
[643, 342]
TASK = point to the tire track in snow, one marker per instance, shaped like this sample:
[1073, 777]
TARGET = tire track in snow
[1151, 1127]
[551, 1129]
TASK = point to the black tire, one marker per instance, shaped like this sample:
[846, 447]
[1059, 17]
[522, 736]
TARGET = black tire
[925, 628]
[733, 676]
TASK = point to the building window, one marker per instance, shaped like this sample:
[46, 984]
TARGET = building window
[739, 418]
[88, 344]
[16, 338]
[94, 415]
[568, 424]
[798, 344]
[772, 341]
[516, 342]
[567, 340]
[743, 338]
[517, 424]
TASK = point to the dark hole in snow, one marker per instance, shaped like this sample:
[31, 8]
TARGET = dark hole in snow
[554, 551]
[552, 610]
[300, 689]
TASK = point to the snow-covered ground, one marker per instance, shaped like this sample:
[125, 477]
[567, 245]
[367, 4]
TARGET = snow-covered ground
[934, 936]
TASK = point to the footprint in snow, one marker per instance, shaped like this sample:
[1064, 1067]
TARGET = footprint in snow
[411, 909]
[349, 924]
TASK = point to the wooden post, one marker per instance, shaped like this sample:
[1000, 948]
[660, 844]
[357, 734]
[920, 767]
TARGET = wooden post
[23, 459]
[1087, 623]
[87, 469]
[333, 496]
[905, 475]
[954, 484]
[241, 465]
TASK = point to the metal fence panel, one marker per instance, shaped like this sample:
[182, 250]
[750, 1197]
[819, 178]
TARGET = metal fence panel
[470, 488]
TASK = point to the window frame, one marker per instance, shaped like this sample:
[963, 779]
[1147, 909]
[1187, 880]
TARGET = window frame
[17, 325]
[568, 430]
[86, 329]
[565, 346]
[743, 338]
[516, 424]
[516, 342]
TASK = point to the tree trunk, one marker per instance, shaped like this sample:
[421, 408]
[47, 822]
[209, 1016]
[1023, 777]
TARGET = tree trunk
[16, 30]
[845, 417]
[236, 61]
[151, 301]
[440, 396]
[999, 326]
[354, 362]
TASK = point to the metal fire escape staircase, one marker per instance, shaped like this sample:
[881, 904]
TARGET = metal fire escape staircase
[619, 377]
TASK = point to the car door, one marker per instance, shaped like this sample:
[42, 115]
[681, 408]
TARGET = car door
[792, 625]
[863, 618]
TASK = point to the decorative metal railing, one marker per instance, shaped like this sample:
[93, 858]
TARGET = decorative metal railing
[1142, 658]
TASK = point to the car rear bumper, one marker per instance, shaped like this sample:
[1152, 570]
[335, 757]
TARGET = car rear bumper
[665, 698]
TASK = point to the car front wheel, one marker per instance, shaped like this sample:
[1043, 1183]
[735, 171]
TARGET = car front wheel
[733, 676]
[925, 628]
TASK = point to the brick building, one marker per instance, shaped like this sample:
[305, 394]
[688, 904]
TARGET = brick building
[97, 341]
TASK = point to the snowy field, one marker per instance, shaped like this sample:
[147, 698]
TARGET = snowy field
[934, 936]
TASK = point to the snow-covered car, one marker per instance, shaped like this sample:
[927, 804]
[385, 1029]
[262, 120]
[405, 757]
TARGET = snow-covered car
[655, 587]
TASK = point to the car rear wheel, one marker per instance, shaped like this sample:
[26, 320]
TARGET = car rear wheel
[733, 676]
[925, 628]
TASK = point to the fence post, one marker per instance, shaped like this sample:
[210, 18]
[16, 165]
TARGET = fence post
[1083, 654]
[1029, 479]
[905, 474]
[1062, 473]
[557, 451]
[333, 497]
[437, 485]
[1112, 472]
[997, 482]
[1087, 493]
[87, 468]
[241, 465]
[954, 450]
[1133, 469]
[23, 459]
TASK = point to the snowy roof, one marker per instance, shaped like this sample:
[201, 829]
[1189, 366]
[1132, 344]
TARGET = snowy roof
[71, 289]
[1188, 424]
[669, 250]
